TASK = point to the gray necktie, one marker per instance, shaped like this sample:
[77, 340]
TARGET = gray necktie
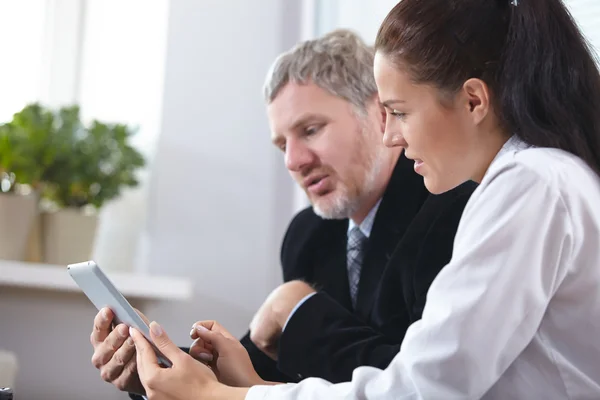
[355, 252]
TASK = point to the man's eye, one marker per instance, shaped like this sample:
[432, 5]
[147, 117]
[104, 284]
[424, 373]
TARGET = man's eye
[311, 130]
[398, 114]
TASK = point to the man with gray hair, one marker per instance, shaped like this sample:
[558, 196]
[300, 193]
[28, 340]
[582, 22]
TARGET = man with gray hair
[357, 264]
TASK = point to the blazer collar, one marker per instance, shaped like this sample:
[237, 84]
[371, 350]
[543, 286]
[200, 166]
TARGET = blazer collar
[402, 200]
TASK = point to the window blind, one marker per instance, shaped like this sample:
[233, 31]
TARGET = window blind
[587, 15]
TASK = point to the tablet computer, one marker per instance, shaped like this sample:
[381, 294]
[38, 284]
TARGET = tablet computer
[102, 293]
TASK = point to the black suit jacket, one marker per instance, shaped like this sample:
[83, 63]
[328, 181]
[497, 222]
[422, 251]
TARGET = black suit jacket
[411, 240]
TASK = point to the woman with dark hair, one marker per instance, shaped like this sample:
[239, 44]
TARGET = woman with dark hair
[505, 93]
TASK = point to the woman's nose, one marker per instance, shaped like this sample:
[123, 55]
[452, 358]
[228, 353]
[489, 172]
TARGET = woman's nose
[393, 139]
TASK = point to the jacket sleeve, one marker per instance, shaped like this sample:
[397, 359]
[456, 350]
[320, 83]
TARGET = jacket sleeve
[296, 244]
[323, 339]
[264, 366]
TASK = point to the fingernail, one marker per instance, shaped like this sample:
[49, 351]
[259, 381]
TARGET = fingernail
[156, 329]
[192, 332]
[131, 333]
[105, 314]
[201, 328]
[205, 357]
[123, 330]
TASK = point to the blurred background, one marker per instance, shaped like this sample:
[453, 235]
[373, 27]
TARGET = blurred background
[134, 132]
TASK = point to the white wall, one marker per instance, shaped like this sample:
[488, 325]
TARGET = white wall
[220, 198]
[122, 80]
[364, 17]
[49, 333]
[587, 15]
[20, 78]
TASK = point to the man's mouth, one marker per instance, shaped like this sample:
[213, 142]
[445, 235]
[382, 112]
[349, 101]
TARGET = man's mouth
[315, 181]
[316, 185]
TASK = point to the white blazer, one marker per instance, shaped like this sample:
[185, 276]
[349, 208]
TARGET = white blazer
[516, 312]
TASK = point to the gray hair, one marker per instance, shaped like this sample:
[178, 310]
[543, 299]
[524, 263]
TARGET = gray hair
[339, 62]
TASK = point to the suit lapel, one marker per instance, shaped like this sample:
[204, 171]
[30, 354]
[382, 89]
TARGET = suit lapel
[331, 266]
[402, 200]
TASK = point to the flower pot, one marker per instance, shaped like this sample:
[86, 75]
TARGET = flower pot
[67, 236]
[8, 369]
[18, 214]
[120, 225]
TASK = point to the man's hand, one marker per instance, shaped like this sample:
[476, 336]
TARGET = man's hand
[186, 379]
[114, 353]
[267, 325]
[226, 356]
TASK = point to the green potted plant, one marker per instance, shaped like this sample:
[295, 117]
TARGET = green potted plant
[99, 164]
[29, 145]
[72, 168]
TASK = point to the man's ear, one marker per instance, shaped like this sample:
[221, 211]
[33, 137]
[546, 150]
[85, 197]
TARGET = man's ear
[382, 114]
[476, 99]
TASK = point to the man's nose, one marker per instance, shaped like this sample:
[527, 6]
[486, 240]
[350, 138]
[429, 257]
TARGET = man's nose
[297, 156]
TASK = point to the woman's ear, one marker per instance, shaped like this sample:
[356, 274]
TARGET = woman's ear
[477, 96]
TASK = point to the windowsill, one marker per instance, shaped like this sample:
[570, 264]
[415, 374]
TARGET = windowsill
[55, 278]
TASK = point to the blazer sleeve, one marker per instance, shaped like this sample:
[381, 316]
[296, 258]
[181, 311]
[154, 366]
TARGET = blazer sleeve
[263, 364]
[297, 244]
[323, 339]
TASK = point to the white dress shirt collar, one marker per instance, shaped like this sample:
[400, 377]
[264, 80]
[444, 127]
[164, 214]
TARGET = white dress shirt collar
[513, 145]
[367, 225]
